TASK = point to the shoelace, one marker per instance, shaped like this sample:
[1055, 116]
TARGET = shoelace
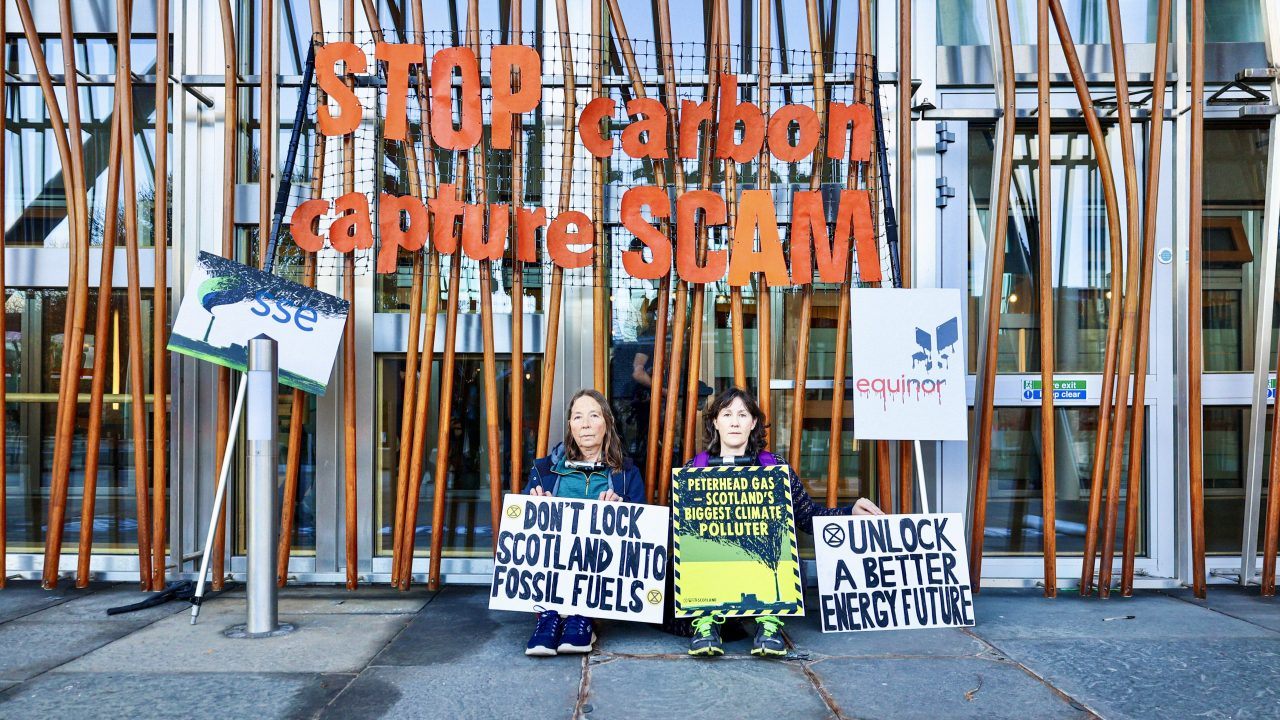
[771, 625]
[576, 625]
[547, 621]
[702, 625]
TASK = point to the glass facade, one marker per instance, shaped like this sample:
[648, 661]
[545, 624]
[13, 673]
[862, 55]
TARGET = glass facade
[950, 243]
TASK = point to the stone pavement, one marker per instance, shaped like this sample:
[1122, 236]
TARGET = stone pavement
[379, 653]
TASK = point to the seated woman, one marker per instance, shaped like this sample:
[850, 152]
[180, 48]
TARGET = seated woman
[588, 465]
[734, 428]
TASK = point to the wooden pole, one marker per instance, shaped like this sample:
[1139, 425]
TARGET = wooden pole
[806, 291]
[664, 285]
[160, 309]
[706, 173]
[1195, 305]
[1115, 457]
[1113, 320]
[1044, 221]
[995, 280]
[566, 198]
[349, 390]
[4, 360]
[409, 522]
[231, 137]
[906, 156]
[298, 401]
[442, 436]
[667, 60]
[738, 333]
[764, 313]
[137, 376]
[1150, 206]
[101, 333]
[517, 276]
[411, 341]
[488, 359]
[601, 314]
[836, 444]
[67, 389]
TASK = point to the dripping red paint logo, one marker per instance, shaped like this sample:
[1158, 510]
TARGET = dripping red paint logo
[933, 353]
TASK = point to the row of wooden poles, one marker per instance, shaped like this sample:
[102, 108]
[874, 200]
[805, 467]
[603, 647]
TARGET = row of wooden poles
[150, 479]
[1125, 355]
[1129, 310]
[667, 363]
[688, 300]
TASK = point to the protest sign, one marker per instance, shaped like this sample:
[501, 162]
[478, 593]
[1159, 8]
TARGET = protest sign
[229, 304]
[734, 544]
[907, 364]
[581, 557]
[883, 572]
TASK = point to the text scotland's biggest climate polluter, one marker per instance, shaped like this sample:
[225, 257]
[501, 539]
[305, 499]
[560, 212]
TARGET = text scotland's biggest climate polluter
[452, 88]
[233, 303]
[735, 542]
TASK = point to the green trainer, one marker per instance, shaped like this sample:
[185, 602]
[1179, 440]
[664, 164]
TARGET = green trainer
[706, 636]
[768, 642]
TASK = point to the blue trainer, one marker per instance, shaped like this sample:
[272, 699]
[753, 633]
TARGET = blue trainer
[578, 635]
[547, 635]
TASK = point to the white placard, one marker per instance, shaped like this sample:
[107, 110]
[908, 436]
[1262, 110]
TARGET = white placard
[907, 369]
[581, 557]
[228, 304]
[886, 572]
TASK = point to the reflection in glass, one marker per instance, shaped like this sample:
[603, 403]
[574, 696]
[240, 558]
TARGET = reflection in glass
[1225, 452]
[1081, 257]
[1235, 191]
[33, 357]
[1015, 508]
[468, 530]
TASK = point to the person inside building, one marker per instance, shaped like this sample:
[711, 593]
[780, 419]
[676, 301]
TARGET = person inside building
[587, 465]
[734, 427]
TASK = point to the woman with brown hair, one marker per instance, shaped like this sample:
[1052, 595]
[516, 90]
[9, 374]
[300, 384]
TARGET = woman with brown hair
[733, 428]
[588, 465]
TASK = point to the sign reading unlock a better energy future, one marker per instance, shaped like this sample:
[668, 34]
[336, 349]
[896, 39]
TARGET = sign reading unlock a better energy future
[884, 572]
[581, 557]
[229, 303]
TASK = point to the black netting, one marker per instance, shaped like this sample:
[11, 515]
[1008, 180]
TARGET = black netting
[382, 165]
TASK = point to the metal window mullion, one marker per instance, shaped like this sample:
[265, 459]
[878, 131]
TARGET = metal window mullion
[1262, 326]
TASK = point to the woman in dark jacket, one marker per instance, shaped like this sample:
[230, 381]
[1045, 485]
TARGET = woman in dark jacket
[588, 465]
[734, 428]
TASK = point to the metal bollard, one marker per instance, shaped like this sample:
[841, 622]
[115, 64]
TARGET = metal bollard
[260, 444]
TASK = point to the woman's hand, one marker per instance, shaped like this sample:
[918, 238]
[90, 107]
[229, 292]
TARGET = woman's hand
[538, 491]
[866, 507]
[610, 496]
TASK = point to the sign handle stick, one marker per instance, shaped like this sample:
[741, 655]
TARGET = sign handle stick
[924, 491]
[218, 498]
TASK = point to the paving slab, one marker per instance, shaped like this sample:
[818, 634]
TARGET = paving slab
[322, 643]
[518, 688]
[1244, 603]
[932, 688]
[32, 648]
[340, 601]
[1025, 614]
[741, 687]
[175, 695]
[1172, 678]
[92, 607]
[23, 597]
[807, 636]
[623, 638]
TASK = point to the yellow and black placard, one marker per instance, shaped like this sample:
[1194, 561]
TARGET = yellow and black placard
[734, 544]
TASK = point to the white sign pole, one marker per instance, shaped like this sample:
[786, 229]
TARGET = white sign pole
[218, 497]
[924, 490]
